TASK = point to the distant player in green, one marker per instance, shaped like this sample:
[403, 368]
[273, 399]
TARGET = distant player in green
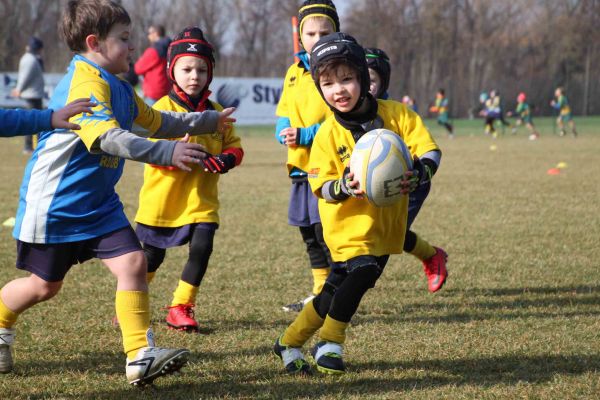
[523, 113]
[561, 104]
[441, 108]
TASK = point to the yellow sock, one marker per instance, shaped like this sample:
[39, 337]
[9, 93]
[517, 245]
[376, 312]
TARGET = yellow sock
[319, 277]
[423, 250]
[7, 317]
[133, 312]
[333, 330]
[303, 327]
[150, 276]
[184, 294]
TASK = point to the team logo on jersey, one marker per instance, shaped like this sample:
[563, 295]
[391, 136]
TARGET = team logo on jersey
[314, 173]
[343, 152]
[102, 112]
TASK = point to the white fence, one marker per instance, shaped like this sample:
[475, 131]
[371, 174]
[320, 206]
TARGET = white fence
[255, 98]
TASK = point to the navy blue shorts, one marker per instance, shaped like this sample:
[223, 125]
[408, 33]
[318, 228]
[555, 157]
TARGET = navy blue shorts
[52, 261]
[304, 205]
[415, 201]
[164, 238]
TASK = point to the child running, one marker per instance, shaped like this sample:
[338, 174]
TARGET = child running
[440, 107]
[69, 211]
[360, 236]
[301, 111]
[433, 258]
[523, 113]
[177, 207]
[561, 104]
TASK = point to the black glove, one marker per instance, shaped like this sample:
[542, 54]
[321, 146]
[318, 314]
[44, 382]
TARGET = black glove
[219, 164]
[423, 172]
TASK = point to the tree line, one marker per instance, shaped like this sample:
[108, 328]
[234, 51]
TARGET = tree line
[463, 46]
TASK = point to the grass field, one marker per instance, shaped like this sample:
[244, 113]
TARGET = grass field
[518, 318]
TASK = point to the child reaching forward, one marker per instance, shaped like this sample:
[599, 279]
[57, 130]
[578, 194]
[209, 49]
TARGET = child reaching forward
[360, 236]
[69, 211]
[178, 207]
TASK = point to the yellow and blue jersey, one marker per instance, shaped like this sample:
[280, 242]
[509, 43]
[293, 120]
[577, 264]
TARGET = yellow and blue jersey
[68, 189]
[355, 227]
[173, 197]
[301, 106]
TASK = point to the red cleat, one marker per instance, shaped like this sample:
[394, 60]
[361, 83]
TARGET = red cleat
[181, 317]
[435, 269]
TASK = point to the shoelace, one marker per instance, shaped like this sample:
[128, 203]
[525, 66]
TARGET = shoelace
[187, 309]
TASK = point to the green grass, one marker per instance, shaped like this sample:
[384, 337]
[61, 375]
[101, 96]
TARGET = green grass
[518, 318]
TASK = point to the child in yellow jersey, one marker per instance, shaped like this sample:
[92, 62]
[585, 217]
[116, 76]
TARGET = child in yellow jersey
[433, 258]
[177, 207]
[360, 236]
[301, 111]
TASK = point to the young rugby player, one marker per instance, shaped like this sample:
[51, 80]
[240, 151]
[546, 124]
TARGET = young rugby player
[561, 104]
[177, 207]
[301, 111]
[69, 211]
[433, 258]
[360, 236]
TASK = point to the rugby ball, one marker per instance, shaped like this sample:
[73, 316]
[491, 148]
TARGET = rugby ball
[379, 160]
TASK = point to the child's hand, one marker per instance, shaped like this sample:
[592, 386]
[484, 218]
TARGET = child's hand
[219, 164]
[289, 136]
[509, 114]
[225, 120]
[351, 185]
[60, 117]
[412, 179]
[186, 152]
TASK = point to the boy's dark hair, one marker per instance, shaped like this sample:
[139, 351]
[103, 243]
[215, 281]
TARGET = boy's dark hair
[346, 50]
[160, 30]
[442, 92]
[90, 17]
[330, 66]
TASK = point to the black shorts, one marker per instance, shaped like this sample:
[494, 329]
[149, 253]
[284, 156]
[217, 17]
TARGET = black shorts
[52, 261]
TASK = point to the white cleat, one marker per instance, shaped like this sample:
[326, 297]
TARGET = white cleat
[153, 362]
[7, 338]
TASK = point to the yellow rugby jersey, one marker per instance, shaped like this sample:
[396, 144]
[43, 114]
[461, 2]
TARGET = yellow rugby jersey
[113, 110]
[301, 102]
[355, 227]
[172, 197]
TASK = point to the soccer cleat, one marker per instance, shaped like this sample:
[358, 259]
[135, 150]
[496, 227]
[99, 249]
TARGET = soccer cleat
[328, 356]
[181, 317]
[435, 269]
[292, 357]
[153, 362]
[299, 305]
[7, 338]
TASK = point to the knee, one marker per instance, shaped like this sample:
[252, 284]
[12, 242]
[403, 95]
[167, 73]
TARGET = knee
[366, 274]
[154, 257]
[46, 290]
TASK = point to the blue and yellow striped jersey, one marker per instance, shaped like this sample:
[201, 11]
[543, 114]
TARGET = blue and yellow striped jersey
[68, 190]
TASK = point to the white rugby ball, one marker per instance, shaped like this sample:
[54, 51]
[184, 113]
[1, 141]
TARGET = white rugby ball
[379, 159]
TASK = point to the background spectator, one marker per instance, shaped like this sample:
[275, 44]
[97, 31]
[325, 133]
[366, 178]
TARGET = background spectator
[152, 65]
